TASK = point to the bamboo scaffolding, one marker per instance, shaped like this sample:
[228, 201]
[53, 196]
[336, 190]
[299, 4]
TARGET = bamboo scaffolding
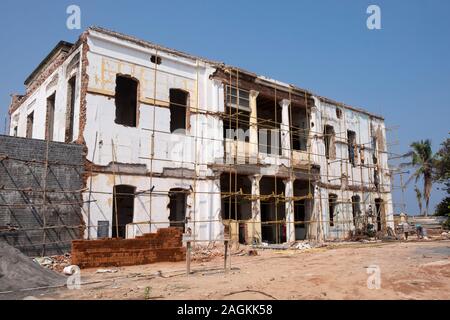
[240, 117]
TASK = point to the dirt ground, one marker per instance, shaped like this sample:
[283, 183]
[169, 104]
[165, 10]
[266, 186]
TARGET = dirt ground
[409, 270]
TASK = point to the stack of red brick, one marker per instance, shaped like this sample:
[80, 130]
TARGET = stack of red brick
[164, 245]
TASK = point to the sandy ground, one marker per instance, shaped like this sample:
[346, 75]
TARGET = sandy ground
[409, 270]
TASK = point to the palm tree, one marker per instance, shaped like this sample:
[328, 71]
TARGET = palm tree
[422, 161]
[419, 198]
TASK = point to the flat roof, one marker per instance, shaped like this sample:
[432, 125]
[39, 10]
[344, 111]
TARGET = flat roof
[66, 46]
[152, 45]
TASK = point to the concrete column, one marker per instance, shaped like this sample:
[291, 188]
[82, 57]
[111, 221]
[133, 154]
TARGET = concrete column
[253, 150]
[218, 98]
[316, 125]
[254, 229]
[317, 216]
[289, 193]
[284, 128]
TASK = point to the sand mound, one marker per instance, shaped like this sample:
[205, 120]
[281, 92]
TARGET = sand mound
[18, 271]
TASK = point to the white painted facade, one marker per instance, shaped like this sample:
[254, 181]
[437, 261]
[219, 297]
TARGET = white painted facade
[151, 159]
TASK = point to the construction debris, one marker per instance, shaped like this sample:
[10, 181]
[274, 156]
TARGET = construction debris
[56, 263]
[70, 270]
[106, 271]
[296, 245]
[205, 254]
[301, 245]
[18, 272]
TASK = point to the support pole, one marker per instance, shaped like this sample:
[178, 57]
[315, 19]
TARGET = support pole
[188, 258]
[226, 256]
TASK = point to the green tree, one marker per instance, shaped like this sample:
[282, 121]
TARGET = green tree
[443, 208]
[421, 160]
[442, 165]
[442, 176]
[419, 198]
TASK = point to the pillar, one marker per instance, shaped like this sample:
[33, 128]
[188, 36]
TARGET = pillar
[315, 125]
[318, 219]
[254, 228]
[289, 194]
[253, 128]
[284, 128]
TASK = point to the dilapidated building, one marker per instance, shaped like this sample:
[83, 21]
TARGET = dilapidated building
[172, 139]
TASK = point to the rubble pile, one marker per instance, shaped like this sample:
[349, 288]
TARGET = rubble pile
[205, 254]
[18, 271]
[301, 246]
[55, 263]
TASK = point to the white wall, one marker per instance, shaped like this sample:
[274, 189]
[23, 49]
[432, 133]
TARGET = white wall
[358, 176]
[201, 144]
[133, 145]
[37, 103]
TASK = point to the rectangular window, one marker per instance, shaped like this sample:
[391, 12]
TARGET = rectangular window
[15, 131]
[299, 128]
[178, 110]
[374, 150]
[50, 117]
[329, 140]
[332, 201]
[236, 124]
[30, 120]
[232, 96]
[236, 120]
[351, 146]
[356, 209]
[126, 99]
[269, 113]
[70, 109]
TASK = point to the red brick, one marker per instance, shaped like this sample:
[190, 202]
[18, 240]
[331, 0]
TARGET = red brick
[164, 245]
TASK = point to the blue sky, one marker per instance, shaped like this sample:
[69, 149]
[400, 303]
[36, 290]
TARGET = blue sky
[401, 71]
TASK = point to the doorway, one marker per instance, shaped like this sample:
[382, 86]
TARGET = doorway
[379, 212]
[273, 213]
[123, 209]
[356, 210]
[177, 207]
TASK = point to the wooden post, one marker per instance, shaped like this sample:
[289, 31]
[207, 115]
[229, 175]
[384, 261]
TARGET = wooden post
[188, 258]
[226, 256]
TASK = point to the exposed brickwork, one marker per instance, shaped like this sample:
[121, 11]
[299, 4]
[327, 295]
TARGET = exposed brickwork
[165, 245]
[84, 87]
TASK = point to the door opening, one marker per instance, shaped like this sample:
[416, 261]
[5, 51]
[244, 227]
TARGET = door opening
[379, 209]
[177, 207]
[123, 209]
